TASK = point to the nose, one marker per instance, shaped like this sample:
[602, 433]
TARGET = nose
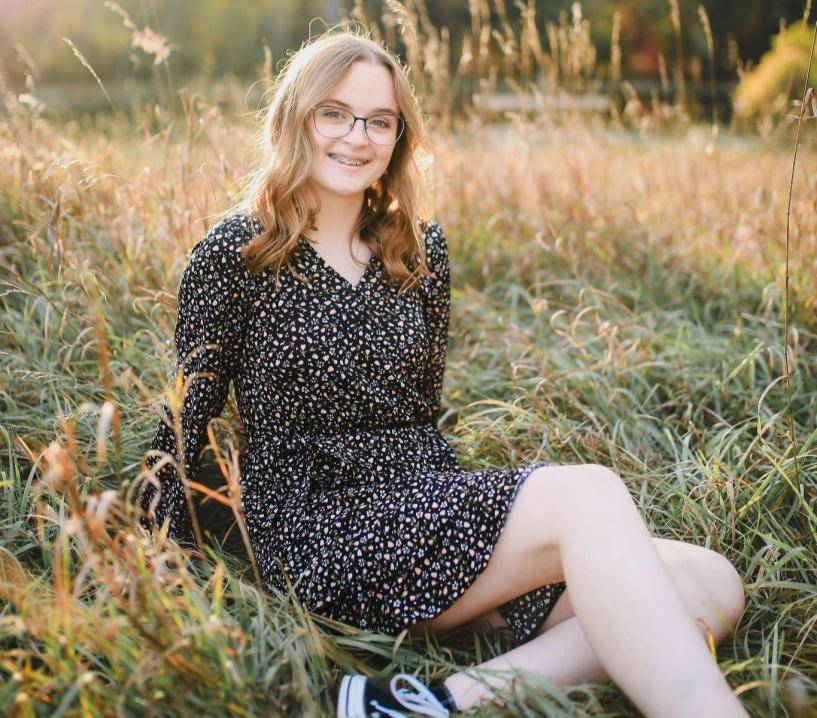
[358, 135]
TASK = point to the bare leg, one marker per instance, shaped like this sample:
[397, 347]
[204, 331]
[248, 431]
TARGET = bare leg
[561, 652]
[581, 524]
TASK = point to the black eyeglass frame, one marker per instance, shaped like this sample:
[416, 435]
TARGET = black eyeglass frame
[355, 118]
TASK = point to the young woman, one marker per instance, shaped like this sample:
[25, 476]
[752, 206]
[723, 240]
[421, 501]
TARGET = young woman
[323, 295]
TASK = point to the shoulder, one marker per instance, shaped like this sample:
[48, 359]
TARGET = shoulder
[219, 250]
[223, 241]
[432, 232]
[435, 241]
[436, 245]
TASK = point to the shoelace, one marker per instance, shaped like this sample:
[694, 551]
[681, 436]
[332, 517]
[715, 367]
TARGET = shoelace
[423, 701]
[387, 711]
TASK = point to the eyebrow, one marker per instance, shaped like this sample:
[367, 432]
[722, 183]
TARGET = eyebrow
[376, 111]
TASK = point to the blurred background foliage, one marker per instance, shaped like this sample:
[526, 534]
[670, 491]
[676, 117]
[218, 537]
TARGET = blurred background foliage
[217, 38]
[781, 71]
[638, 293]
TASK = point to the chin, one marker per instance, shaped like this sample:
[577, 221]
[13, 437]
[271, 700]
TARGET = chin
[345, 190]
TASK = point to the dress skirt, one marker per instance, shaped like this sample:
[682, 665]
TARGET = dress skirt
[350, 491]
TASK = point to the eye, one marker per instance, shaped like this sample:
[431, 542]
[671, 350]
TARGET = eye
[382, 122]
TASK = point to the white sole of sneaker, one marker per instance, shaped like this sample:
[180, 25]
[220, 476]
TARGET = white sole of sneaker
[350, 697]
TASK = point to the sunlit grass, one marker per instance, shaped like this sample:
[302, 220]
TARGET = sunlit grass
[617, 298]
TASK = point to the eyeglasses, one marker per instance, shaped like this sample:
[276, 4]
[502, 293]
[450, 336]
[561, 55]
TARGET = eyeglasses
[335, 122]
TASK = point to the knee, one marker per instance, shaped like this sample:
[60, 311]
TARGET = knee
[734, 591]
[724, 582]
[604, 481]
[579, 487]
[587, 479]
[601, 473]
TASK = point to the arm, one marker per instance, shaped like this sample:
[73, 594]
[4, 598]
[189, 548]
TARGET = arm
[436, 303]
[207, 338]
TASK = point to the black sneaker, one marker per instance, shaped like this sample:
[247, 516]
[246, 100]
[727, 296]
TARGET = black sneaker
[364, 697]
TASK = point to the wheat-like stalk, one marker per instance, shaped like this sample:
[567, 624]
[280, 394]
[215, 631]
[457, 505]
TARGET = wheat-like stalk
[710, 49]
[87, 66]
[675, 18]
[786, 370]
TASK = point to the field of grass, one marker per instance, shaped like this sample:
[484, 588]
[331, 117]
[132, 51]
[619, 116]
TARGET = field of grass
[617, 298]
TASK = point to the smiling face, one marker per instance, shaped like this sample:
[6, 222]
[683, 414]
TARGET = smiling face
[366, 90]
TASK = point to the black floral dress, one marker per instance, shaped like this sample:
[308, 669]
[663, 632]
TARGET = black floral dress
[347, 484]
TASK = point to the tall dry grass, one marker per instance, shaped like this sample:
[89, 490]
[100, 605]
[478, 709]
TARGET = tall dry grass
[618, 297]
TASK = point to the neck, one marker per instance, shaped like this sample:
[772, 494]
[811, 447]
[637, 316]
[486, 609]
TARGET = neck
[336, 219]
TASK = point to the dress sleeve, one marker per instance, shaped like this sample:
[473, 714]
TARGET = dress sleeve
[436, 304]
[207, 340]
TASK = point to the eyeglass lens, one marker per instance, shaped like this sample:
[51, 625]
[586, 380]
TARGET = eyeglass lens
[334, 122]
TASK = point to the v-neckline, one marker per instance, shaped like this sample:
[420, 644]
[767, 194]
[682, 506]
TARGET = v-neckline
[336, 273]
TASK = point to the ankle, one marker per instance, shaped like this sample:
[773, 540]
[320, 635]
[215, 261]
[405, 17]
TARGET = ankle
[444, 694]
[457, 689]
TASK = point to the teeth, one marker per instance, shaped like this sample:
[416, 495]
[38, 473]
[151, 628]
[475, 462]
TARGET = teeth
[346, 160]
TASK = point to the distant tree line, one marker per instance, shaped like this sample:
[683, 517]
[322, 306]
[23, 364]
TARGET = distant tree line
[213, 37]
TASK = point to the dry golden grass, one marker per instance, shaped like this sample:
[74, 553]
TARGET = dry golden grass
[617, 298]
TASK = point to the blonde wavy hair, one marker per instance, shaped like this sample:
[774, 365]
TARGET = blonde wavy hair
[276, 191]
